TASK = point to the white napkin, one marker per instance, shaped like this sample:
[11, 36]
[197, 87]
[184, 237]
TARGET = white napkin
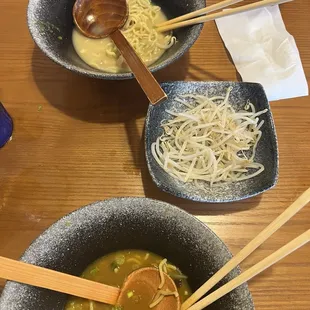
[264, 52]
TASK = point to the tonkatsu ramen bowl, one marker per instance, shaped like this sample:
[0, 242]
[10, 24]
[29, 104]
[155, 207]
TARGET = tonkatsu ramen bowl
[50, 23]
[79, 238]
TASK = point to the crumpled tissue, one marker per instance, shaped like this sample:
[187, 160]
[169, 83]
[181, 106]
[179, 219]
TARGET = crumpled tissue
[264, 52]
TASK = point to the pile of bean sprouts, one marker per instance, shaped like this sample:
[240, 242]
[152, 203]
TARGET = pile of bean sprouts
[210, 142]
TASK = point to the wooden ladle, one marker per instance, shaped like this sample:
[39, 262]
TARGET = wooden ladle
[144, 282]
[103, 18]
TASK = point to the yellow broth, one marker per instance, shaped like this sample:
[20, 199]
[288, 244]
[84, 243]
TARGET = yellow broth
[113, 269]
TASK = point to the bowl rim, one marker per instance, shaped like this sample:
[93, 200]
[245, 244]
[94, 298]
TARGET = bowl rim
[126, 199]
[32, 4]
[133, 202]
[211, 200]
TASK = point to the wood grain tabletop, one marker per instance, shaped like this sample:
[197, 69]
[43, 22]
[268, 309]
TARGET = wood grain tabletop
[77, 140]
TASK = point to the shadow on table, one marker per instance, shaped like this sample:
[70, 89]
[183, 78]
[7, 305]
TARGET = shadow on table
[99, 101]
[238, 76]
[95, 100]
[198, 73]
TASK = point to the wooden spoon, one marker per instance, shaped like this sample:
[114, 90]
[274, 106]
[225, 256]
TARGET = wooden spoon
[103, 18]
[144, 281]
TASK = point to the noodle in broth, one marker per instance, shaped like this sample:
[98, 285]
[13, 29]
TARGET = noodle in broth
[114, 268]
[139, 30]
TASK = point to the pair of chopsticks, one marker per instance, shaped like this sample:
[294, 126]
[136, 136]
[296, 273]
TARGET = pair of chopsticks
[193, 17]
[192, 302]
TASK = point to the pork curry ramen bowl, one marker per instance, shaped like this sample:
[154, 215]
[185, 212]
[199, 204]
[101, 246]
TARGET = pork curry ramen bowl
[78, 239]
[51, 25]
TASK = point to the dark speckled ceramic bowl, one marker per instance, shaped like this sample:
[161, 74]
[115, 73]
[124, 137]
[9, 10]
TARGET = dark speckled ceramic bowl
[81, 237]
[50, 23]
[266, 153]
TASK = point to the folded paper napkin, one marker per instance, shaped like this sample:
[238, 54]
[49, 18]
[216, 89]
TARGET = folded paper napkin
[264, 52]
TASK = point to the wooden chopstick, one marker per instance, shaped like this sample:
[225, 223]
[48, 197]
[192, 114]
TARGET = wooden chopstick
[57, 281]
[253, 271]
[295, 207]
[208, 9]
[206, 18]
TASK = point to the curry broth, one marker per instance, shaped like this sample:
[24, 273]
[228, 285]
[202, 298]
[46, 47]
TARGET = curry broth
[113, 269]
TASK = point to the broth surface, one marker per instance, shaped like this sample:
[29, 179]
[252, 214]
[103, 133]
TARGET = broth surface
[139, 30]
[113, 269]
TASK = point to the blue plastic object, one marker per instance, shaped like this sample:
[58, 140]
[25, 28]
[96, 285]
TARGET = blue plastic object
[6, 126]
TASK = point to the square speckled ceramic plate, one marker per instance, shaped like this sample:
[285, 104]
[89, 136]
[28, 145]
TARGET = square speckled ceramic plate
[266, 154]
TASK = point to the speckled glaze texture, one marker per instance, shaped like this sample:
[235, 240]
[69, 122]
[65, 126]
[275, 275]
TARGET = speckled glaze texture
[51, 23]
[267, 150]
[79, 238]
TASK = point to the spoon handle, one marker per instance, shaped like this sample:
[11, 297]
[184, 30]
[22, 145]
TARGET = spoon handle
[56, 281]
[144, 77]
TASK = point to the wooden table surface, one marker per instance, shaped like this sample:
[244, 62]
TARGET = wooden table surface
[78, 140]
